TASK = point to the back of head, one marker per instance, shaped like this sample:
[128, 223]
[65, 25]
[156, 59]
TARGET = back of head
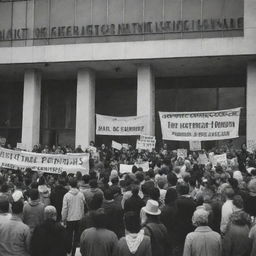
[229, 193]
[96, 201]
[73, 182]
[50, 212]
[93, 183]
[154, 193]
[17, 207]
[33, 194]
[238, 201]
[183, 189]
[4, 204]
[108, 194]
[172, 179]
[171, 196]
[200, 217]
[132, 222]
[86, 178]
[99, 218]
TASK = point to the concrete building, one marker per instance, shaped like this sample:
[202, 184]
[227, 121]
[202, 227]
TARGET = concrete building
[63, 61]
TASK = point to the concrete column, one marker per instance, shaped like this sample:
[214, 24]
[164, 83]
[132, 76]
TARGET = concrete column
[250, 104]
[85, 107]
[31, 109]
[146, 97]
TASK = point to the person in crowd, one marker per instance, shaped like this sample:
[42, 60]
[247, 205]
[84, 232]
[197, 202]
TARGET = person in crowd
[203, 241]
[98, 240]
[44, 191]
[135, 242]
[252, 236]
[154, 228]
[250, 200]
[236, 240]
[14, 234]
[33, 212]
[88, 194]
[134, 203]
[57, 195]
[72, 212]
[227, 208]
[183, 223]
[49, 238]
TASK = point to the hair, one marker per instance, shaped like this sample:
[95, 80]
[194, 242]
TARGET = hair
[134, 169]
[4, 204]
[253, 172]
[171, 196]
[93, 183]
[73, 182]
[183, 189]
[139, 176]
[50, 212]
[33, 194]
[200, 217]
[41, 181]
[172, 179]
[17, 207]
[4, 188]
[238, 201]
[86, 178]
[154, 193]
[229, 192]
[151, 173]
[108, 194]
[132, 222]
[115, 180]
[96, 201]
[135, 190]
[99, 218]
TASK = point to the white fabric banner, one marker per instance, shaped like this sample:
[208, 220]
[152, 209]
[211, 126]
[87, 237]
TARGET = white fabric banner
[50, 163]
[120, 126]
[201, 126]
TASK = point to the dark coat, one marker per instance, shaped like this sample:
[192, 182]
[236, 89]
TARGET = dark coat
[134, 203]
[49, 239]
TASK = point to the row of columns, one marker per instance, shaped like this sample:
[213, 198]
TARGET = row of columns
[85, 107]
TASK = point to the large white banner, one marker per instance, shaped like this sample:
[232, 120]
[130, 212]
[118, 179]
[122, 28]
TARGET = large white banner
[50, 163]
[121, 126]
[201, 126]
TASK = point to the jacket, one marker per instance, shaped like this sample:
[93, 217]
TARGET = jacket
[73, 205]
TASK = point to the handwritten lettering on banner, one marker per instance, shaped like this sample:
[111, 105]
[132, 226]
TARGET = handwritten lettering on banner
[143, 165]
[146, 142]
[201, 126]
[221, 159]
[120, 126]
[50, 163]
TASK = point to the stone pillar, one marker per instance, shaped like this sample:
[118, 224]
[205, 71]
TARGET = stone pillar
[31, 109]
[85, 108]
[250, 104]
[146, 97]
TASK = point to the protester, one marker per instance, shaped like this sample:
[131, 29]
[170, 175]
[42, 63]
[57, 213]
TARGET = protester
[14, 234]
[135, 242]
[203, 241]
[98, 240]
[155, 229]
[72, 213]
[49, 238]
[33, 212]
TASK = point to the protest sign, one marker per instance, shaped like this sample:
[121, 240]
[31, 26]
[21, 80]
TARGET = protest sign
[125, 168]
[20, 146]
[146, 142]
[195, 145]
[143, 165]
[221, 159]
[202, 159]
[116, 145]
[125, 146]
[2, 141]
[121, 126]
[182, 152]
[251, 145]
[201, 126]
[50, 163]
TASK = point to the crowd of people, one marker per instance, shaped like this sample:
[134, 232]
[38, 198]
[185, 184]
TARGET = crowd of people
[178, 206]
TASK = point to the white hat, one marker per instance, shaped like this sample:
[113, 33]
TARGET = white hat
[151, 208]
[17, 195]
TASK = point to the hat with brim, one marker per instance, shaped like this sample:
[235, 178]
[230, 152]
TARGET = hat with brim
[151, 208]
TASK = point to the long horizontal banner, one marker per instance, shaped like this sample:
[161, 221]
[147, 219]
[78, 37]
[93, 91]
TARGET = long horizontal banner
[201, 126]
[50, 163]
[120, 126]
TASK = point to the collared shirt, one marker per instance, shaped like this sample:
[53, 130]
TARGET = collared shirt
[203, 242]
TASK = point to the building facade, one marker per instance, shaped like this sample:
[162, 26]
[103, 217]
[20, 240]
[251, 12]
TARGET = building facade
[63, 61]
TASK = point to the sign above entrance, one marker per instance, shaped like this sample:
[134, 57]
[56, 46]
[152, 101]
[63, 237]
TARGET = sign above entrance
[120, 126]
[201, 126]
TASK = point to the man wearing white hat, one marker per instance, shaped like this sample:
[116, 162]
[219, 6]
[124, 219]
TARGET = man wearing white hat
[154, 228]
